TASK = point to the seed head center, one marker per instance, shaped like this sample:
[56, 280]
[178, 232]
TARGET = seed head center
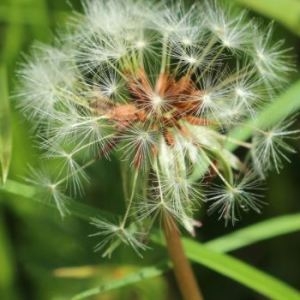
[157, 101]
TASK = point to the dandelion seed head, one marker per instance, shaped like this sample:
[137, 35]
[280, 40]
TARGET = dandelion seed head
[141, 44]
[161, 87]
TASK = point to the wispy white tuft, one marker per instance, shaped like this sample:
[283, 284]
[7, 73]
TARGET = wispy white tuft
[112, 236]
[50, 189]
[229, 200]
[270, 146]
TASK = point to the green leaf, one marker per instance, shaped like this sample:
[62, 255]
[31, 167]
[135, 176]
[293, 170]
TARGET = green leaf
[256, 233]
[286, 12]
[40, 17]
[285, 105]
[5, 126]
[32, 18]
[13, 34]
[77, 209]
[144, 273]
[239, 271]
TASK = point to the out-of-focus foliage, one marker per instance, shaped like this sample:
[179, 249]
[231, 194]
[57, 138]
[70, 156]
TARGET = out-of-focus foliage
[284, 11]
[45, 257]
[5, 126]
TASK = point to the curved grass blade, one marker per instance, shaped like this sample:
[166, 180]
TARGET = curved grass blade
[239, 271]
[284, 11]
[77, 209]
[5, 126]
[144, 273]
[256, 233]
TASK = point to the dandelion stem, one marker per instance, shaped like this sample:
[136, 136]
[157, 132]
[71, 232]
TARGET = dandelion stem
[183, 272]
[124, 175]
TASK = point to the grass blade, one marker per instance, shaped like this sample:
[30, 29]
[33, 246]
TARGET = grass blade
[284, 11]
[77, 209]
[145, 273]
[241, 272]
[5, 126]
[256, 233]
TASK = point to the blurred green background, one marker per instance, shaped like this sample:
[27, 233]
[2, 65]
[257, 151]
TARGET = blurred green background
[44, 257]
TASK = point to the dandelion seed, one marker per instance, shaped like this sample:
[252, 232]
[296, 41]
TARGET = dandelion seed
[271, 61]
[68, 166]
[113, 235]
[49, 189]
[230, 200]
[270, 147]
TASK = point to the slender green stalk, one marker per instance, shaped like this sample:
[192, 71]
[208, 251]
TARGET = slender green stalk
[130, 199]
